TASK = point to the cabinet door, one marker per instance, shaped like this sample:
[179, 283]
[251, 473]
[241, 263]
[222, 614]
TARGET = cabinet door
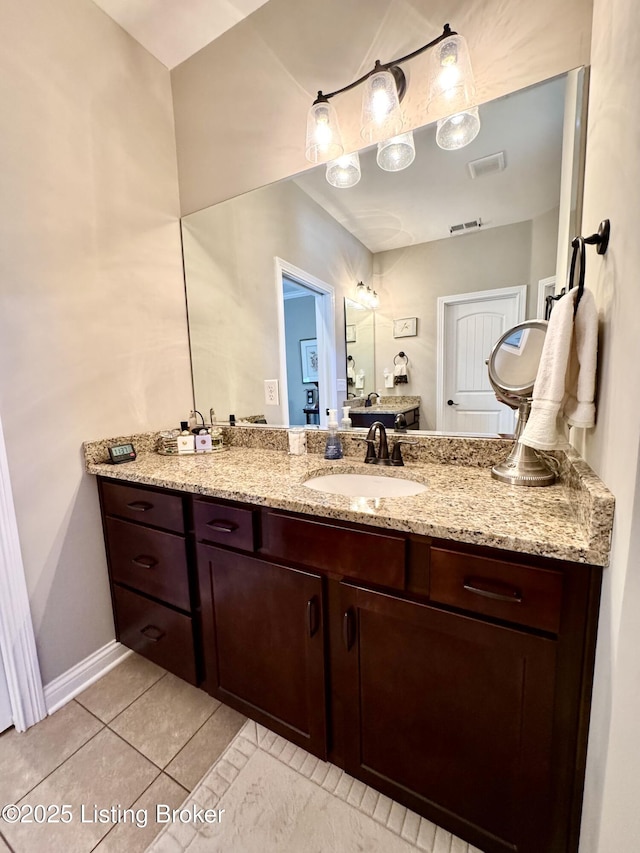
[452, 716]
[263, 638]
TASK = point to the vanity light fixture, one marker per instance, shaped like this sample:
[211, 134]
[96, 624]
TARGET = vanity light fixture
[451, 91]
[345, 171]
[366, 296]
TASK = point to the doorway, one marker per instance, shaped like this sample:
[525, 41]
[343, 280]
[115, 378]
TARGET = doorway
[469, 324]
[307, 346]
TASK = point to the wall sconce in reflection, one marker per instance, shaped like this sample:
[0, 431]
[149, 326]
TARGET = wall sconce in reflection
[366, 296]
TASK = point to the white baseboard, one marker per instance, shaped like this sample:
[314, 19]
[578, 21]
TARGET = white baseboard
[72, 682]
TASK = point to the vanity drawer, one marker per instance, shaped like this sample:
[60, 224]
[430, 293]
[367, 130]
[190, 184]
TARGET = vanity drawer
[224, 524]
[377, 558]
[152, 561]
[504, 590]
[157, 509]
[158, 633]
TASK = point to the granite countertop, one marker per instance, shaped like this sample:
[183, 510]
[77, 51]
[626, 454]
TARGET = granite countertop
[385, 409]
[570, 520]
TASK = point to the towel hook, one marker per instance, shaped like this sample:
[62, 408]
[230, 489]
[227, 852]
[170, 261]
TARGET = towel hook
[601, 241]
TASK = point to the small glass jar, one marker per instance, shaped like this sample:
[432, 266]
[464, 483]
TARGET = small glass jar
[297, 441]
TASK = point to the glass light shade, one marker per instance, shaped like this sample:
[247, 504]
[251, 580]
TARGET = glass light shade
[381, 114]
[452, 88]
[345, 171]
[458, 130]
[396, 153]
[324, 141]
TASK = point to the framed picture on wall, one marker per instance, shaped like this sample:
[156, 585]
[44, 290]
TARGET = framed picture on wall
[309, 356]
[407, 327]
[351, 333]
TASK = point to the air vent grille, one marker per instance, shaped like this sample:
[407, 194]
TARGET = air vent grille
[465, 227]
[487, 165]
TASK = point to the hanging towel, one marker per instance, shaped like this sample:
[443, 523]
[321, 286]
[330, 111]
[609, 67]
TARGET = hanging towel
[564, 389]
[351, 374]
[388, 378]
[360, 379]
[400, 374]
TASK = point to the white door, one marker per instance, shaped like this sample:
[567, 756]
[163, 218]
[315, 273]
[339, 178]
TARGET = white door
[469, 325]
[6, 718]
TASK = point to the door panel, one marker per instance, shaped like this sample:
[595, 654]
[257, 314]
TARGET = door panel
[6, 718]
[471, 697]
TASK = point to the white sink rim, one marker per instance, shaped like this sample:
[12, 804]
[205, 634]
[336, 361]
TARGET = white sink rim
[372, 485]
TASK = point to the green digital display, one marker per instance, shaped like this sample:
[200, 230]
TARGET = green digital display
[122, 453]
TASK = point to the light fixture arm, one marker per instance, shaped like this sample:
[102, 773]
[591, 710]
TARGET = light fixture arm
[392, 66]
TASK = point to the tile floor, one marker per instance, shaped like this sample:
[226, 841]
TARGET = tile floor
[137, 737]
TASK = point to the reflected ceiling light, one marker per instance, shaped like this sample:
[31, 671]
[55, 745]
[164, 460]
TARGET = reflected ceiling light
[345, 171]
[366, 296]
[452, 93]
[458, 130]
[396, 153]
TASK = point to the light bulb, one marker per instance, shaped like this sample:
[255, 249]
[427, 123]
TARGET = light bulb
[458, 130]
[381, 114]
[345, 171]
[324, 141]
[452, 88]
[396, 153]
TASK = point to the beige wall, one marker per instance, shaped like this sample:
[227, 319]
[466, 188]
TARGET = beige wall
[241, 103]
[611, 814]
[93, 339]
[229, 260]
[410, 280]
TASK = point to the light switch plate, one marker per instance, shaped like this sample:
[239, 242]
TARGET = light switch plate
[341, 385]
[271, 392]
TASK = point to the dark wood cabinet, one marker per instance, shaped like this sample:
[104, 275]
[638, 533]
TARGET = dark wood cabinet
[454, 678]
[364, 416]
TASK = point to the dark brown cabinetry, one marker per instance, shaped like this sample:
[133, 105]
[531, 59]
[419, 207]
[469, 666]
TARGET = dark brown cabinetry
[364, 416]
[454, 678]
[151, 577]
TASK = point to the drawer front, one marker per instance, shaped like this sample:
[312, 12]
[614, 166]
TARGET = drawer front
[222, 524]
[509, 591]
[374, 557]
[154, 508]
[149, 560]
[156, 632]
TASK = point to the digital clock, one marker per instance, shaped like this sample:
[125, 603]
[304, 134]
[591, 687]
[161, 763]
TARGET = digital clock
[122, 453]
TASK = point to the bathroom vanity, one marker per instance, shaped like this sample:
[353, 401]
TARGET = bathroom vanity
[453, 676]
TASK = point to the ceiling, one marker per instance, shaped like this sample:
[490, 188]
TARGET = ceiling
[388, 210]
[173, 30]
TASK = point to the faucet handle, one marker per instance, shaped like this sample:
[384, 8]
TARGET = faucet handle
[396, 453]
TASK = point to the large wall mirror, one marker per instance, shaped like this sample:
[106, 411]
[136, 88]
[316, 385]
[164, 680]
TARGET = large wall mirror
[467, 242]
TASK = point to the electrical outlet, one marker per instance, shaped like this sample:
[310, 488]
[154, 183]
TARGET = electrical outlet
[271, 393]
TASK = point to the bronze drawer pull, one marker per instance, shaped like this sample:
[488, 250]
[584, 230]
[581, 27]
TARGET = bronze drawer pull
[222, 526]
[140, 506]
[493, 589]
[347, 628]
[144, 562]
[312, 615]
[152, 633]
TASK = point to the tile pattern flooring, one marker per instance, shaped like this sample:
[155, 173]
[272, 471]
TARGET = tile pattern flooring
[137, 737]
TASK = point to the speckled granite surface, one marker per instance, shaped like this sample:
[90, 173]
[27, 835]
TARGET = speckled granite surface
[570, 520]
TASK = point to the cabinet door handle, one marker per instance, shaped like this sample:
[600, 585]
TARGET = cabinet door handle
[152, 633]
[140, 506]
[493, 589]
[222, 526]
[312, 616]
[347, 628]
[144, 562]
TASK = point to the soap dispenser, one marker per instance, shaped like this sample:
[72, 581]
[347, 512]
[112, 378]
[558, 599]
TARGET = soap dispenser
[346, 422]
[333, 448]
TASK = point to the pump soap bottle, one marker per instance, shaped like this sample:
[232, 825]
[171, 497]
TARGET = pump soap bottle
[346, 422]
[333, 448]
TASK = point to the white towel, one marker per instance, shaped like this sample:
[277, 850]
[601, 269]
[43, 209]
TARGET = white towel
[351, 373]
[564, 389]
[400, 374]
[360, 379]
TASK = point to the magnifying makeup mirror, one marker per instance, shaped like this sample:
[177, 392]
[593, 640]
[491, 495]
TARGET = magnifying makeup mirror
[513, 365]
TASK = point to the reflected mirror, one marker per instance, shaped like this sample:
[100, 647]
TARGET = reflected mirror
[461, 240]
[512, 369]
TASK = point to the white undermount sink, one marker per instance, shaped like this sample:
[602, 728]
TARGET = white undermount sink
[365, 486]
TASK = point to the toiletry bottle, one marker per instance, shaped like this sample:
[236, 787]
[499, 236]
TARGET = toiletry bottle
[232, 420]
[333, 448]
[346, 422]
[186, 443]
[192, 422]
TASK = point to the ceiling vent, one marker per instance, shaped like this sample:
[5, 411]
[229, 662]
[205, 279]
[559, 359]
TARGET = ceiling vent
[465, 227]
[487, 165]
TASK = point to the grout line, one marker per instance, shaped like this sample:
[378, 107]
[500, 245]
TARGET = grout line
[211, 715]
[9, 847]
[133, 701]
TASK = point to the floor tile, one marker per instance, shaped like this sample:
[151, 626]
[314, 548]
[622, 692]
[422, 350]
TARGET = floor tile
[28, 757]
[131, 838]
[106, 772]
[164, 718]
[120, 687]
[3, 846]
[194, 759]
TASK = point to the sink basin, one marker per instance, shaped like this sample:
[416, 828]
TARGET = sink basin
[365, 486]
